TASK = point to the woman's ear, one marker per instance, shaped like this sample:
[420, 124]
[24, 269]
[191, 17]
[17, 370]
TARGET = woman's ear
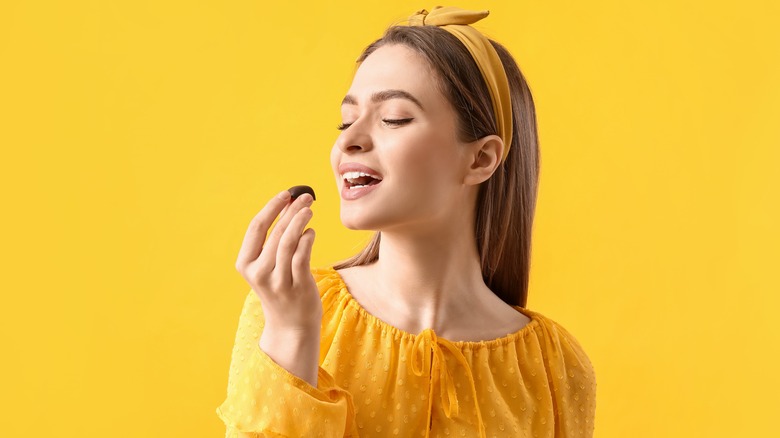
[484, 157]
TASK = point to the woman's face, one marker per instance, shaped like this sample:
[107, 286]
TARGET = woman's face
[398, 124]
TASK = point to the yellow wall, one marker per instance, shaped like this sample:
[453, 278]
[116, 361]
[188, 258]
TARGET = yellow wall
[140, 137]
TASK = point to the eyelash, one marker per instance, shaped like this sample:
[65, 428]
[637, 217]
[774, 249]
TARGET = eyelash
[396, 122]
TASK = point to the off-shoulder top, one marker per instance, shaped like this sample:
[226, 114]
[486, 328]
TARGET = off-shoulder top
[375, 380]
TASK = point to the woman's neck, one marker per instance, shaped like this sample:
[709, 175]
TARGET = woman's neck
[434, 278]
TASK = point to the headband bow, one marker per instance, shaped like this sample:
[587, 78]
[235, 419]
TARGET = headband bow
[456, 21]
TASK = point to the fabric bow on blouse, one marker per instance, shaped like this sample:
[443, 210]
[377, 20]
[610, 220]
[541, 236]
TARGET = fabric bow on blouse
[426, 343]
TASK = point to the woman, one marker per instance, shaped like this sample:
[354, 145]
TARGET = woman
[424, 333]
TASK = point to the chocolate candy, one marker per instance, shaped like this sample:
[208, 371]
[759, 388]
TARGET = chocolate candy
[296, 191]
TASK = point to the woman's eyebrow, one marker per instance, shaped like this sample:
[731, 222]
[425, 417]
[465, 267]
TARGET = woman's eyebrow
[381, 96]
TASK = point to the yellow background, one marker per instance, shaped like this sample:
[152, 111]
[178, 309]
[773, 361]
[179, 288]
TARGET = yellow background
[140, 137]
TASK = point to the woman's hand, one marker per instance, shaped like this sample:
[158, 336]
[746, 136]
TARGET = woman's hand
[278, 268]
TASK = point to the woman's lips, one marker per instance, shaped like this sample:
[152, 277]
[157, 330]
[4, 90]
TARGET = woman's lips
[357, 167]
[350, 194]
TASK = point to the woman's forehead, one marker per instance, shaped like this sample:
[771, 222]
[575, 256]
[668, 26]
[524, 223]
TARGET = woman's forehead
[393, 67]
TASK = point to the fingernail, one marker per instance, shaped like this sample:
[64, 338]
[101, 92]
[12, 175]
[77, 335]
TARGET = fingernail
[283, 195]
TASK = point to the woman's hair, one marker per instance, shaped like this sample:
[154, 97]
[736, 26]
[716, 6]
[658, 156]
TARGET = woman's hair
[507, 200]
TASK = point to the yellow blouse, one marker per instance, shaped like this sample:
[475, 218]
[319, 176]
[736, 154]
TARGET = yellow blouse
[375, 380]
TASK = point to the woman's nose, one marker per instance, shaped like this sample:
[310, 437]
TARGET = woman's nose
[355, 138]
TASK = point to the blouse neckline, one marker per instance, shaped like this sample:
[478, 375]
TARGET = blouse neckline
[463, 345]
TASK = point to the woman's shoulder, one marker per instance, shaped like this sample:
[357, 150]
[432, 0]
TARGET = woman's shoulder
[321, 272]
[557, 354]
[332, 288]
[551, 326]
[562, 349]
[554, 332]
[327, 278]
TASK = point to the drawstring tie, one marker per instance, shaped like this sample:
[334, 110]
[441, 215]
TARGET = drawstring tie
[428, 341]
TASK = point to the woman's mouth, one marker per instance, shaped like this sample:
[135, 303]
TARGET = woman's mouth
[358, 184]
[356, 180]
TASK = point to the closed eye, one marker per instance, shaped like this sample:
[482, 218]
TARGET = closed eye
[397, 122]
[394, 122]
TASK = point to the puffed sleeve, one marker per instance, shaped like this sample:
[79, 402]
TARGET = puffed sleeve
[573, 381]
[265, 400]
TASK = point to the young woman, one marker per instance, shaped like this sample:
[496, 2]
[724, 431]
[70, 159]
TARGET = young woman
[425, 332]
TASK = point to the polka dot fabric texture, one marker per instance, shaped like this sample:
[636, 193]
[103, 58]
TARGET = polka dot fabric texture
[375, 380]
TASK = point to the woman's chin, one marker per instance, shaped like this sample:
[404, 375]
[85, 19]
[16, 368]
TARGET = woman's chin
[354, 225]
[353, 222]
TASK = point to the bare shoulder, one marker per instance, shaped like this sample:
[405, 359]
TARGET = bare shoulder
[353, 278]
[515, 319]
[495, 318]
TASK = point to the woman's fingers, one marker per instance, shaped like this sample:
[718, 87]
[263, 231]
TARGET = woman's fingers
[288, 245]
[255, 235]
[267, 259]
[301, 259]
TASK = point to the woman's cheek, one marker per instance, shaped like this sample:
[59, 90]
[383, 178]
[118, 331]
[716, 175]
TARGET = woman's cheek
[334, 159]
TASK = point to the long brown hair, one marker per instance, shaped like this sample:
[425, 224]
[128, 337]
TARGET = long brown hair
[507, 200]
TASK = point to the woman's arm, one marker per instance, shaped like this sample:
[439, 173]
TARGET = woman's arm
[297, 351]
[265, 399]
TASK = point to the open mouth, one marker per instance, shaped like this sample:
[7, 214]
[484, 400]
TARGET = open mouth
[356, 180]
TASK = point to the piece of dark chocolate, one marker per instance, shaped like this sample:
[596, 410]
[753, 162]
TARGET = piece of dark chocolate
[296, 191]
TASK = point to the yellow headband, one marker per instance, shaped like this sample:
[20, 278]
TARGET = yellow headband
[456, 21]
